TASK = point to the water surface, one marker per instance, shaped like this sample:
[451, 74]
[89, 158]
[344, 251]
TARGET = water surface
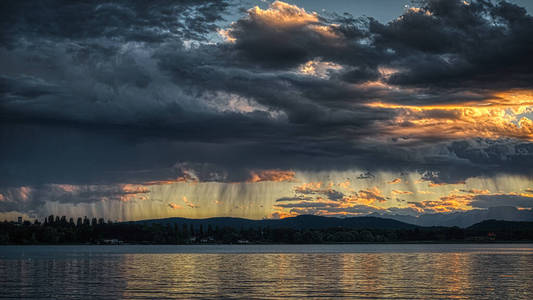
[361, 271]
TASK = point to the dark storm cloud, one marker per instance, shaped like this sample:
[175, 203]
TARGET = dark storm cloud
[442, 44]
[12, 88]
[447, 44]
[152, 21]
[100, 91]
[26, 199]
[286, 36]
[485, 157]
[334, 195]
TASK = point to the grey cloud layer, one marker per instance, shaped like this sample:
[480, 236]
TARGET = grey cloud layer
[121, 91]
[486, 201]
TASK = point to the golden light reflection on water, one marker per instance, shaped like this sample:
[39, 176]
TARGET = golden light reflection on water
[317, 271]
[403, 275]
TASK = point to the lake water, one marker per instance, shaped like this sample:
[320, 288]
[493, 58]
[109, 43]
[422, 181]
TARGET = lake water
[361, 271]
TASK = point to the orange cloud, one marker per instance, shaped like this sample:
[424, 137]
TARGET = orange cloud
[308, 188]
[283, 16]
[459, 202]
[226, 35]
[174, 205]
[344, 184]
[366, 197]
[318, 68]
[67, 187]
[433, 184]
[281, 215]
[131, 191]
[444, 204]
[329, 201]
[399, 192]
[189, 203]
[271, 175]
[418, 10]
[496, 117]
[395, 181]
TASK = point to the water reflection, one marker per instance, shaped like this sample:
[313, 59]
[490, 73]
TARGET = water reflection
[417, 275]
[413, 276]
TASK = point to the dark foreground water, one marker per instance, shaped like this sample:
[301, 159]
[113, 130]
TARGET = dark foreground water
[496, 271]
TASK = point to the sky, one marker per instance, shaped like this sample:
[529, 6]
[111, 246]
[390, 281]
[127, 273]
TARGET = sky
[133, 110]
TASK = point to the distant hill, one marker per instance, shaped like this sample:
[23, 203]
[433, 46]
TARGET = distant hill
[297, 230]
[499, 225]
[299, 222]
[465, 219]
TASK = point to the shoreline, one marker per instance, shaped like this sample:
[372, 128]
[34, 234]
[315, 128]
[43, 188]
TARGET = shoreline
[284, 244]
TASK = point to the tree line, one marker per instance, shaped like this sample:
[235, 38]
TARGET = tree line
[59, 230]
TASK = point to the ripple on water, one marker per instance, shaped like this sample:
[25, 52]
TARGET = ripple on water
[266, 272]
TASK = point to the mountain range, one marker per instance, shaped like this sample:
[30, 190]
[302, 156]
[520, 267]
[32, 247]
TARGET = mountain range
[374, 221]
[465, 219]
[298, 222]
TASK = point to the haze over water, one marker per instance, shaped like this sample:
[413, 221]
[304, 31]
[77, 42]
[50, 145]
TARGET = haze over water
[495, 271]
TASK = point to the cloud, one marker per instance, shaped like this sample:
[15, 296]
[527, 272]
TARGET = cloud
[189, 203]
[329, 201]
[457, 43]
[32, 199]
[473, 199]
[281, 36]
[297, 198]
[395, 181]
[318, 68]
[368, 196]
[271, 175]
[518, 200]
[314, 204]
[127, 20]
[363, 203]
[167, 96]
[279, 215]
[400, 192]
[174, 205]
[366, 175]
[118, 92]
[476, 191]
[308, 188]
[494, 122]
